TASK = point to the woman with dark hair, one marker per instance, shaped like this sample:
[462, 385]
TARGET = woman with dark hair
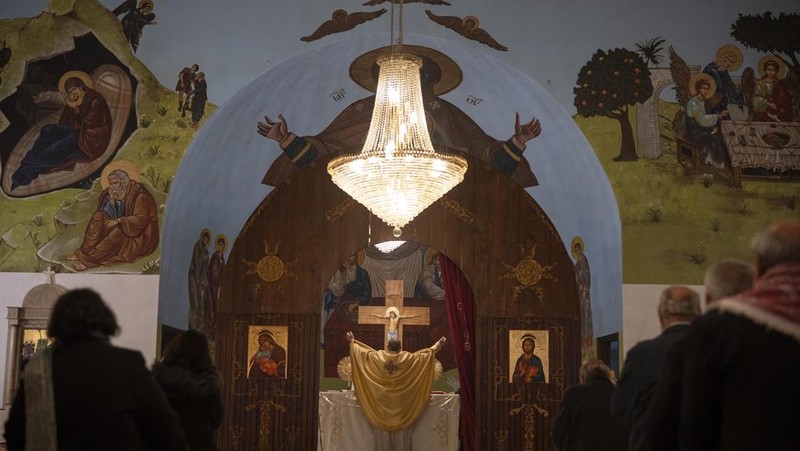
[192, 385]
[83, 393]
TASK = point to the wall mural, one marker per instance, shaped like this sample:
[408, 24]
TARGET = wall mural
[88, 147]
[693, 172]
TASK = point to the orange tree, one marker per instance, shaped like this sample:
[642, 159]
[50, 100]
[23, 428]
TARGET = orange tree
[607, 85]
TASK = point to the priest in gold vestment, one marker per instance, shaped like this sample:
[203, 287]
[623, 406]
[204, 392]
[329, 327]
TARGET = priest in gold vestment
[392, 386]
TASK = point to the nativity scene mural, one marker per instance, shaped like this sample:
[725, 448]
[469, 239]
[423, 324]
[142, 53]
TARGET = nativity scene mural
[75, 105]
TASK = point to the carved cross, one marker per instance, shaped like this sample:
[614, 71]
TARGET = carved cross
[409, 316]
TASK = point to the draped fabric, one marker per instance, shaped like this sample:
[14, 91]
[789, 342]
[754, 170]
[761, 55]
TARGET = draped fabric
[461, 314]
[40, 404]
[393, 388]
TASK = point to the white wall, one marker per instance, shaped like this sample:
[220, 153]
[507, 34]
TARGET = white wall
[133, 298]
[640, 312]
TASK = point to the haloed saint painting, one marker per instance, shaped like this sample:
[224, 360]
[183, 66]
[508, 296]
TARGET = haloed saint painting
[528, 356]
[266, 346]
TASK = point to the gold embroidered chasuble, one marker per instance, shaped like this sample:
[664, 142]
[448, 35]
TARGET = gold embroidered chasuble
[393, 388]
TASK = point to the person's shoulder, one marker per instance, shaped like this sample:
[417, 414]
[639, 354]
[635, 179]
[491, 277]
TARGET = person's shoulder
[127, 355]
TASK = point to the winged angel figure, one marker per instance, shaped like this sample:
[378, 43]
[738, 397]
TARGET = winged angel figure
[427, 2]
[341, 21]
[467, 27]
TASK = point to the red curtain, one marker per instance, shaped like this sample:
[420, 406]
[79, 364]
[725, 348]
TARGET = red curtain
[461, 314]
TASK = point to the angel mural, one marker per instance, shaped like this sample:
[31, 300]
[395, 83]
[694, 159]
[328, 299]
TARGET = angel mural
[727, 59]
[771, 101]
[452, 128]
[341, 21]
[759, 138]
[134, 19]
[467, 27]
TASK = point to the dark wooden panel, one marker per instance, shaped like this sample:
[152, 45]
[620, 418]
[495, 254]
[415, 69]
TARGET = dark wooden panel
[285, 255]
[519, 416]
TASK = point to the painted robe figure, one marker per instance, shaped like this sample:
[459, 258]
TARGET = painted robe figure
[452, 128]
[584, 280]
[198, 279]
[702, 126]
[134, 20]
[82, 134]
[216, 266]
[771, 101]
[123, 229]
[529, 367]
[199, 98]
[270, 359]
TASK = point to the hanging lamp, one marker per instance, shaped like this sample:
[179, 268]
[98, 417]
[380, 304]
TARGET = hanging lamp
[398, 174]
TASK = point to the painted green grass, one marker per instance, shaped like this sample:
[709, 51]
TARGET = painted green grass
[673, 226]
[157, 149]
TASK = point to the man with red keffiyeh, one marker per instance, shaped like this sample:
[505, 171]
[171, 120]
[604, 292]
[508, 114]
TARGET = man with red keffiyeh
[742, 360]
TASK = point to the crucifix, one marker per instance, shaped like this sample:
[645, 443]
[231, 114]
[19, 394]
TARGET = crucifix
[394, 315]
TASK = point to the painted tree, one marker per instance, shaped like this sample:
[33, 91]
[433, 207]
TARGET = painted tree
[777, 35]
[607, 85]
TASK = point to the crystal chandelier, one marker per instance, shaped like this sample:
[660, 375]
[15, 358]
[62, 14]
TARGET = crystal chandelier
[398, 174]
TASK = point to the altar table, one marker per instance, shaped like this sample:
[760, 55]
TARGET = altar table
[343, 426]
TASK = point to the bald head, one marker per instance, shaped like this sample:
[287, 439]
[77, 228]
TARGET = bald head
[727, 278]
[778, 243]
[678, 303]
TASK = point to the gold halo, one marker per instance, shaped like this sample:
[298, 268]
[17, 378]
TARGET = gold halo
[87, 80]
[429, 255]
[474, 20]
[128, 166]
[361, 256]
[392, 309]
[364, 71]
[764, 60]
[576, 240]
[737, 56]
[702, 76]
[224, 241]
[205, 232]
[526, 336]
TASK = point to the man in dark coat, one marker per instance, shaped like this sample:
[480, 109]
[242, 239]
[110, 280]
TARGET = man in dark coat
[677, 307]
[84, 394]
[722, 279]
[742, 360]
[585, 421]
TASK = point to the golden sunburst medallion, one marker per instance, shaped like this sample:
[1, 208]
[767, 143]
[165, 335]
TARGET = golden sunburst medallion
[270, 268]
[528, 272]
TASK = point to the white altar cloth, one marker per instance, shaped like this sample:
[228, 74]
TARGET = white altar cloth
[343, 426]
